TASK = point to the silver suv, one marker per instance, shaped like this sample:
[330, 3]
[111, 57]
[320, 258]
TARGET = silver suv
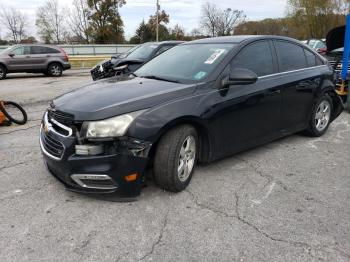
[47, 59]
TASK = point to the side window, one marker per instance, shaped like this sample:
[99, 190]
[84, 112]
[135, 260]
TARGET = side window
[310, 58]
[163, 49]
[290, 56]
[36, 50]
[18, 51]
[256, 57]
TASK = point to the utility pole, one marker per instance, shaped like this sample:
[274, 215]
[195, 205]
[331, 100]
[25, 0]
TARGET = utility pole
[157, 28]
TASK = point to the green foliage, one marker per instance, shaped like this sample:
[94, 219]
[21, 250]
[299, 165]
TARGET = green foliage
[146, 32]
[106, 25]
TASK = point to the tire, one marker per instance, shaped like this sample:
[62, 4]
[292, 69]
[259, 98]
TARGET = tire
[321, 117]
[54, 69]
[171, 154]
[3, 72]
[17, 115]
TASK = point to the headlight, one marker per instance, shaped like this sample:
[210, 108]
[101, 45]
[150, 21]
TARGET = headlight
[112, 127]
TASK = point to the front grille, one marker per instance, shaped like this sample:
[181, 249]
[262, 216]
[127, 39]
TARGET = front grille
[107, 70]
[51, 145]
[62, 117]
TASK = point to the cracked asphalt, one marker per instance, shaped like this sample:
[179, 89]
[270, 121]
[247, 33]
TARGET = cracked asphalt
[286, 201]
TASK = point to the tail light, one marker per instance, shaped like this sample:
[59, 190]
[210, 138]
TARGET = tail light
[65, 55]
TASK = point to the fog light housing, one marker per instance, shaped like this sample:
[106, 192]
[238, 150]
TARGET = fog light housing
[89, 150]
[94, 181]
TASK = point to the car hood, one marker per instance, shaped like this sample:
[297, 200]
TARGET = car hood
[335, 38]
[111, 97]
[122, 61]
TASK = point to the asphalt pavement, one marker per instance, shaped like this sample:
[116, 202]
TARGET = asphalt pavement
[285, 201]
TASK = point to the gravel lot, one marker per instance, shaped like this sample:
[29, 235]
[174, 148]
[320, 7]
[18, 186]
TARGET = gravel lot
[285, 201]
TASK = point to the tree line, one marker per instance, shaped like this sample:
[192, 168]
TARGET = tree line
[99, 21]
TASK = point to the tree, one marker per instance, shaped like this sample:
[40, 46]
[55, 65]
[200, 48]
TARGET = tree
[15, 22]
[317, 17]
[106, 24]
[147, 32]
[177, 33]
[78, 21]
[50, 21]
[219, 22]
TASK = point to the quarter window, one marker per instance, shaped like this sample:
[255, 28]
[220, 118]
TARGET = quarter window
[256, 57]
[311, 58]
[290, 56]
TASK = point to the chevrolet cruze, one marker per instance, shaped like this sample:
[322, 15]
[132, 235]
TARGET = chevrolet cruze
[196, 103]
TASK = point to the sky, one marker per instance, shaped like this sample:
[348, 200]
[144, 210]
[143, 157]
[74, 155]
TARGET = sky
[186, 13]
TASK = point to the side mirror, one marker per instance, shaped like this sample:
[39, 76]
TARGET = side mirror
[11, 54]
[240, 76]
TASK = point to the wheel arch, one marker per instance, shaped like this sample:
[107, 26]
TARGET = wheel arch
[338, 105]
[53, 62]
[4, 65]
[205, 142]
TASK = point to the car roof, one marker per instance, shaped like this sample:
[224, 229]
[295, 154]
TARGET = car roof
[36, 44]
[239, 38]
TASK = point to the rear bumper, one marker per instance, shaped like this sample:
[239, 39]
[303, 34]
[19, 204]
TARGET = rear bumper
[66, 66]
[115, 166]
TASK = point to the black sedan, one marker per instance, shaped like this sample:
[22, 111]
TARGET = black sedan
[198, 102]
[132, 60]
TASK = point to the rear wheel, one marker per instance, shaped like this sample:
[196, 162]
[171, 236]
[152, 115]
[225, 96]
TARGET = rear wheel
[55, 69]
[3, 72]
[321, 116]
[175, 158]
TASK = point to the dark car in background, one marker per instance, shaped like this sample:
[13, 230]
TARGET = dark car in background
[47, 59]
[196, 103]
[132, 60]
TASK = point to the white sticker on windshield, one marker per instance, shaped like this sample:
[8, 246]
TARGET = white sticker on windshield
[214, 56]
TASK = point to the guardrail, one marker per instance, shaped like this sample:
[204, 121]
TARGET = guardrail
[91, 49]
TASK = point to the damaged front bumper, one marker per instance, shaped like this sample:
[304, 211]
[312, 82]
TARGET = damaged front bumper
[118, 168]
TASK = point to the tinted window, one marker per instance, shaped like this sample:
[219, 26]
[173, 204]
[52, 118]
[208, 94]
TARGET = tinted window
[35, 50]
[23, 50]
[143, 52]
[256, 57]
[190, 62]
[311, 58]
[290, 56]
[163, 49]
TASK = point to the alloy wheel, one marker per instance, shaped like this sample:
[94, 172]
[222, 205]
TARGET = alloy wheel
[55, 70]
[186, 158]
[323, 115]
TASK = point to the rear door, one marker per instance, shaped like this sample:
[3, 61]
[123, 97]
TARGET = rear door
[40, 55]
[300, 77]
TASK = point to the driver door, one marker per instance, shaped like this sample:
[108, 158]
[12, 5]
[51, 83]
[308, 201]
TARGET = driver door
[19, 59]
[248, 115]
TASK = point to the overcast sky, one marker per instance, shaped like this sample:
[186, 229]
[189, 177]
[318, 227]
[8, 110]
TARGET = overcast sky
[184, 12]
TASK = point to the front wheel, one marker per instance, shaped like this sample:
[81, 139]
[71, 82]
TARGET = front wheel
[321, 116]
[175, 158]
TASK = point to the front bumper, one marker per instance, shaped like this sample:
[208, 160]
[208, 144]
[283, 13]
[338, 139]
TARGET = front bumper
[116, 166]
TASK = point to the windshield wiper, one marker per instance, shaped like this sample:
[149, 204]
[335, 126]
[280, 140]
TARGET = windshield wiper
[160, 78]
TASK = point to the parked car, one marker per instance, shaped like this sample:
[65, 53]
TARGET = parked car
[132, 61]
[196, 103]
[319, 45]
[48, 59]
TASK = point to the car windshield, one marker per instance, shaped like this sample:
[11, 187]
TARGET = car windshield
[129, 52]
[143, 52]
[5, 50]
[189, 62]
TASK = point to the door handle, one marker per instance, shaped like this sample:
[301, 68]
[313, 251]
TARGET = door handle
[28, 56]
[274, 92]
